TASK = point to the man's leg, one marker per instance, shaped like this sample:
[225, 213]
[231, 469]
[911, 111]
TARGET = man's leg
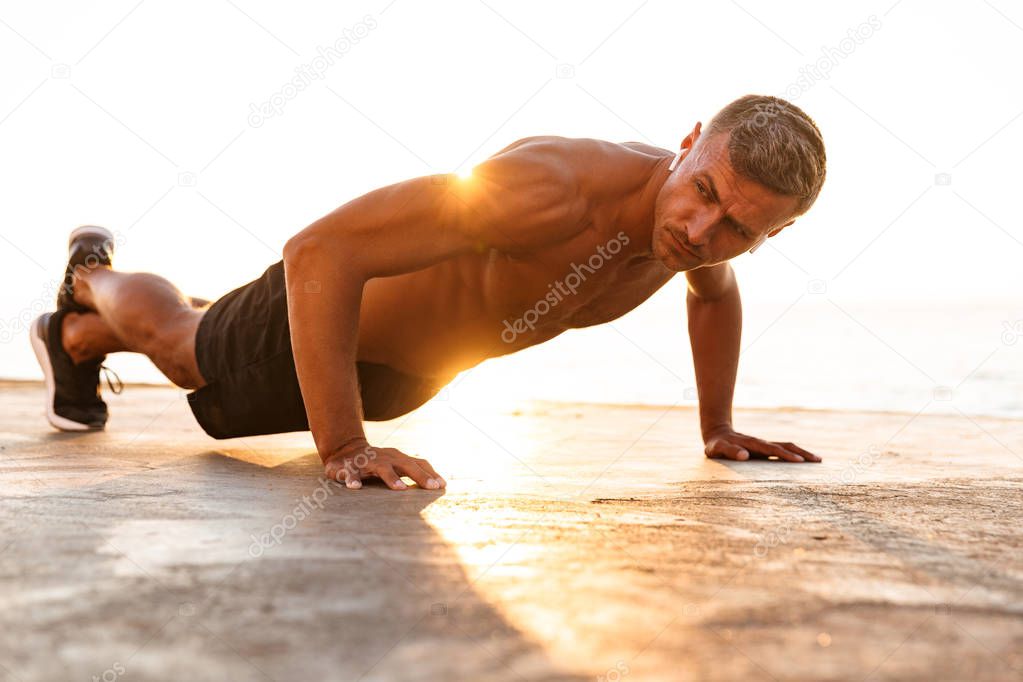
[100, 311]
[85, 336]
[137, 312]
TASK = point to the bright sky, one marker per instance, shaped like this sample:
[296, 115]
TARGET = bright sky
[142, 116]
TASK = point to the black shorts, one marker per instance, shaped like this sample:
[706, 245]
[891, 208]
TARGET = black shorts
[243, 348]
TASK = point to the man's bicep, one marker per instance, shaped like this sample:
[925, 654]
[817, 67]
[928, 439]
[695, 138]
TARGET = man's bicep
[399, 228]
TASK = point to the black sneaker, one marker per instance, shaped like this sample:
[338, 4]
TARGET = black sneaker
[89, 246]
[73, 400]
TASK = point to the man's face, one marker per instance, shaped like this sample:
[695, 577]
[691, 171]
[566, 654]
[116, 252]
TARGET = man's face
[706, 213]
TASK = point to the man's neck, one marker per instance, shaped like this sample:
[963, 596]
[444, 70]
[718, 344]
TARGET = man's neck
[642, 209]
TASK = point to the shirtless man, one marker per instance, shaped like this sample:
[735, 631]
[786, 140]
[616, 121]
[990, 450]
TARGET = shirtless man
[377, 305]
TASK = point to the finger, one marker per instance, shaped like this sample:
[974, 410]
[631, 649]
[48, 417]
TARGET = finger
[726, 450]
[807, 455]
[433, 472]
[335, 471]
[386, 474]
[780, 452]
[417, 473]
[352, 478]
[344, 470]
[763, 448]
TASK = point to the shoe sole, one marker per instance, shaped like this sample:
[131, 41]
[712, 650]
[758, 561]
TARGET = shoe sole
[43, 356]
[95, 231]
[91, 231]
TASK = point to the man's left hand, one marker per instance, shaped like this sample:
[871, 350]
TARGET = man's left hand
[728, 444]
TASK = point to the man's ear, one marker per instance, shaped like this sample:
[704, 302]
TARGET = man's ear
[686, 146]
[777, 230]
[690, 140]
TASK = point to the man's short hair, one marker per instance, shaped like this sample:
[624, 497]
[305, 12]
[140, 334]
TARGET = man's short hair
[775, 143]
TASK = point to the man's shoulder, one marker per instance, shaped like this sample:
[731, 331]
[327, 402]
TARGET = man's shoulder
[590, 163]
[563, 155]
[584, 149]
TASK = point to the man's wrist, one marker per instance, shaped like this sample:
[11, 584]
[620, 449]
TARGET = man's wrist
[347, 448]
[715, 428]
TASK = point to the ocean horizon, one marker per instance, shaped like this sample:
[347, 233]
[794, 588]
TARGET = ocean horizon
[813, 353]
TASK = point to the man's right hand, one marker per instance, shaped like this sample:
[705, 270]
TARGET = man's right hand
[360, 460]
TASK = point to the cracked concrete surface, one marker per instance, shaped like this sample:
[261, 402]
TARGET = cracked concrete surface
[574, 542]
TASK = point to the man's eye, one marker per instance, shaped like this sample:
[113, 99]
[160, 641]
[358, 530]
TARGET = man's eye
[699, 188]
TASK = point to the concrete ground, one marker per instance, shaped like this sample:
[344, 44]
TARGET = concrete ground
[573, 543]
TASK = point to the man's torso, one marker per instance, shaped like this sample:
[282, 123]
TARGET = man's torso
[459, 312]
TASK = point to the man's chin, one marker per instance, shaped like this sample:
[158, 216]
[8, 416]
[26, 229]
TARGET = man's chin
[671, 259]
[673, 262]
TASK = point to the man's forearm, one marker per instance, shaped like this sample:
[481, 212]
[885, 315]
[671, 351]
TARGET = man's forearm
[323, 311]
[715, 329]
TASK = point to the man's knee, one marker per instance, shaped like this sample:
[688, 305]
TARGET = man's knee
[76, 336]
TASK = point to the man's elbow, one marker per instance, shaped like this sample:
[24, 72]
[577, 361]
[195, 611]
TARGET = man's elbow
[311, 248]
[289, 254]
[320, 257]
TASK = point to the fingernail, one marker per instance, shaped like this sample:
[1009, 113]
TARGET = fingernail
[431, 483]
[400, 485]
[354, 484]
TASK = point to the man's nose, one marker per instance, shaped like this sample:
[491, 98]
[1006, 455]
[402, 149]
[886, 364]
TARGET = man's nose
[700, 229]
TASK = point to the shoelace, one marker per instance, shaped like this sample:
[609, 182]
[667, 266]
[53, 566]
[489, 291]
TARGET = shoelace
[107, 373]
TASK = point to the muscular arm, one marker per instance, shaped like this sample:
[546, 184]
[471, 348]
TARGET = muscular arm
[517, 200]
[715, 329]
